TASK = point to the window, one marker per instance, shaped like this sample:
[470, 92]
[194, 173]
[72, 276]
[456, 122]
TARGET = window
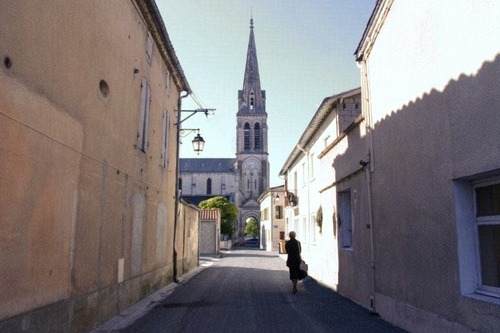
[279, 212]
[252, 100]
[295, 181]
[180, 184]
[345, 219]
[149, 48]
[246, 137]
[311, 166]
[487, 204]
[265, 214]
[209, 186]
[326, 141]
[164, 148]
[167, 83]
[256, 136]
[303, 174]
[312, 228]
[477, 214]
[223, 188]
[142, 135]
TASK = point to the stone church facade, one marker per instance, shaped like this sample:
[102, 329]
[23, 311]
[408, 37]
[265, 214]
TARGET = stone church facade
[242, 179]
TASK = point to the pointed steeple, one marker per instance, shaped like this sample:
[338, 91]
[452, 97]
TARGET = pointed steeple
[252, 98]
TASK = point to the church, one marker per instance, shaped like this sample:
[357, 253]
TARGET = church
[244, 178]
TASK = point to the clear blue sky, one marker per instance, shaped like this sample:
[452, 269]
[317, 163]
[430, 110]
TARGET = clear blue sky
[305, 53]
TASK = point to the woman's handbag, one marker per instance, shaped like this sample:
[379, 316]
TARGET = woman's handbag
[303, 266]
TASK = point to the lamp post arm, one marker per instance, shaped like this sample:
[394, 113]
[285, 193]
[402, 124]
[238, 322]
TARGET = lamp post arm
[193, 112]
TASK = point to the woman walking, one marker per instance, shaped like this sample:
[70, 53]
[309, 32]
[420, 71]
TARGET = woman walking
[293, 250]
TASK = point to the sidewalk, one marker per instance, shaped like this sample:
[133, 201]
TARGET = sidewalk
[128, 316]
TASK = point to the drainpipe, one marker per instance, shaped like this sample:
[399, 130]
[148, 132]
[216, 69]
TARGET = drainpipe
[369, 168]
[372, 245]
[177, 192]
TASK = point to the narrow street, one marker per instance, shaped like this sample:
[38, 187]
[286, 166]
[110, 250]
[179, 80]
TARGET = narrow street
[248, 290]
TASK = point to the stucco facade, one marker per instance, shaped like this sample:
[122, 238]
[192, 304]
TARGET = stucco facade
[272, 218]
[432, 108]
[338, 253]
[88, 164]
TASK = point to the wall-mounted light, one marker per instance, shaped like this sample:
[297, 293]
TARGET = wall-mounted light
[277, 198]
[198, 142]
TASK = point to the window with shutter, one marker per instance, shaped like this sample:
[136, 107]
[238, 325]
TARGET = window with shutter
[142, 135]
[164, 148]
[149, 48]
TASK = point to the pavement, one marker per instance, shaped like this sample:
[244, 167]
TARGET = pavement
[245, 289]
[130, 315]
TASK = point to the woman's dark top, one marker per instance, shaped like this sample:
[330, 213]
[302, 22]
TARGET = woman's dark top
[293, 249]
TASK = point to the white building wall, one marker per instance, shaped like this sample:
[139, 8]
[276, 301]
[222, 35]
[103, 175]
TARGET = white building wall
[330, 160]
[433, 90]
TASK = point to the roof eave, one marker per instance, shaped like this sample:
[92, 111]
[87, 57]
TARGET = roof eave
[155, 22]
[324, 110]
[372, 29]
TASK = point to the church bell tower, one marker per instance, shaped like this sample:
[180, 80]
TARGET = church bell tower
[251, 140]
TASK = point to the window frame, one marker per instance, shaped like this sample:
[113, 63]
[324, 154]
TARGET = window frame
[483, 221]
[345, 233]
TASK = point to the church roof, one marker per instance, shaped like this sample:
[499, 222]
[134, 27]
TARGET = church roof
[207, 165]
[252, 98]
[252, 66]
[196, 199]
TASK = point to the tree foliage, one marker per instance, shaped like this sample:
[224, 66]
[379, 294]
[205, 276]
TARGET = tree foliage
[252, 228]
[228, 211]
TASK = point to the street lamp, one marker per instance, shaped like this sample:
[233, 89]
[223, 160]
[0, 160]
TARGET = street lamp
[198, 142]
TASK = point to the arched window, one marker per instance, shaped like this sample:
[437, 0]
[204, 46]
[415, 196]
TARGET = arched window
[209, 186]
[252, 100]
[246, 135]
[256, 136]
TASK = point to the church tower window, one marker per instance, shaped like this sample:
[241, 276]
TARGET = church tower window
[256, 136]
[252, 100]
[246, 134]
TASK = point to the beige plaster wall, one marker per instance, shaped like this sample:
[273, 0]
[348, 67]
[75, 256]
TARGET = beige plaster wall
[87, 219]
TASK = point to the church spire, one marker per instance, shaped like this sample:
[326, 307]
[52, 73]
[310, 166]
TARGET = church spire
[252, 98]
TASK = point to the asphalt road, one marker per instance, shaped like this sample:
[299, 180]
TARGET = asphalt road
[248, 290]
